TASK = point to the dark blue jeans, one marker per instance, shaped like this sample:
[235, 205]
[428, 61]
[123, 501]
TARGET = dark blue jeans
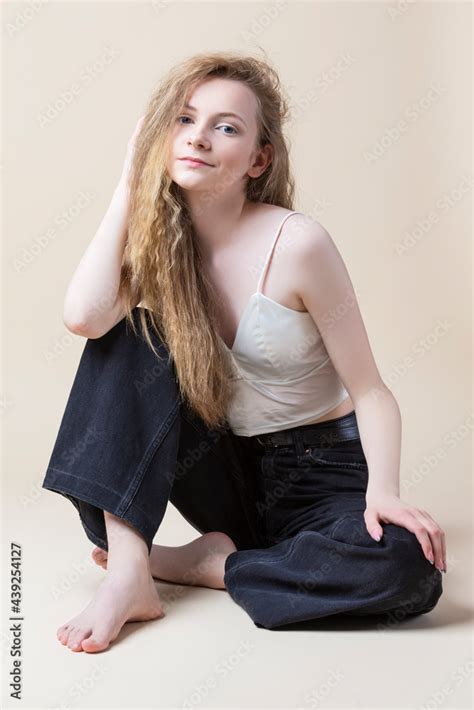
[128, 444]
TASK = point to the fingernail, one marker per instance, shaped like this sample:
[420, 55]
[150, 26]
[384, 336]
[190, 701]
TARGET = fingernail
[431, 559]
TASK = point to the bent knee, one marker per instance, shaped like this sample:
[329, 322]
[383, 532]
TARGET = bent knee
[419, 581]
[398, 562]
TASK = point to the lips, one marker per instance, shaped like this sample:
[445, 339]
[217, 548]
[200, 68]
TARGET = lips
[195, 160]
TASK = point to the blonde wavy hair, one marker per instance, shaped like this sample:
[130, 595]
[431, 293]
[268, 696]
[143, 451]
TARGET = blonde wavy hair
[161, 261]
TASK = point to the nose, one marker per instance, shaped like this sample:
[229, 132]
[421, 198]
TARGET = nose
[197, 139]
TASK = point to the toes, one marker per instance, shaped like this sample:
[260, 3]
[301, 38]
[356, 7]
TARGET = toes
[75, 639]
[62, 633]
[100, 557]
[95, 643]
[64, 638]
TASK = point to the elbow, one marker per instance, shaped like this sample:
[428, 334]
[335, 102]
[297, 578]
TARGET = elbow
[376, 392]
[81, 327]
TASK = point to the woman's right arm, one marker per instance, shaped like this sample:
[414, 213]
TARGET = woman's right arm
[92, 305]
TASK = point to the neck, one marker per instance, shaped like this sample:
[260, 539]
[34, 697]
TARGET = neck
[218, 223]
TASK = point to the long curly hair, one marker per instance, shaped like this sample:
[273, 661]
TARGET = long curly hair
[161, 260]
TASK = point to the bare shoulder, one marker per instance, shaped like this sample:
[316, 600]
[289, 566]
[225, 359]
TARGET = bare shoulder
[302, 234]
[299, 247]
[299, 222]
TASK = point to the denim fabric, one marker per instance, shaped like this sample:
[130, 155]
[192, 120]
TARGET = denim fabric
[128, 444]
[321, 559]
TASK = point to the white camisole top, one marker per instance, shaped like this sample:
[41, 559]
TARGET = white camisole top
[283, 374]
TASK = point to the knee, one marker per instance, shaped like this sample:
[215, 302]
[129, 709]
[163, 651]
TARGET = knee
[418, 582]
[398, 562]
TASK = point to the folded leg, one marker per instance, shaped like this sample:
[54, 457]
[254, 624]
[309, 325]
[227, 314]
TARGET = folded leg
[127, 444]
[344, 571]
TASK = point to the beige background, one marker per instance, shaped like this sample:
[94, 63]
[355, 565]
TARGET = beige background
[375, 190]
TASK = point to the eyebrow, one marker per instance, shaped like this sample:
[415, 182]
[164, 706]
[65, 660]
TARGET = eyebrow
[220, 114]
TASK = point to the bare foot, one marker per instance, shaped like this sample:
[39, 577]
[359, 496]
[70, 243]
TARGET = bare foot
[124, 595]
[198, 563]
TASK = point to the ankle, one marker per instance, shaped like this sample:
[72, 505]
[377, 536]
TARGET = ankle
[129, 558]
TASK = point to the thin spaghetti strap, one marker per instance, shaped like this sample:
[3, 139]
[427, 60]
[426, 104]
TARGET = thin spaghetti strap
[270, 253]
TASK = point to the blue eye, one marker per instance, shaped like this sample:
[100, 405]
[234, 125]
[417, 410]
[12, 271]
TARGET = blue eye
[224, 126]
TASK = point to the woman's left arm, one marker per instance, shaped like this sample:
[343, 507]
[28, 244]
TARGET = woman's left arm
[326, 290]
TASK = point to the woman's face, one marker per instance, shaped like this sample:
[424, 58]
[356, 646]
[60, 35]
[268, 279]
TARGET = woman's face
[227, 143]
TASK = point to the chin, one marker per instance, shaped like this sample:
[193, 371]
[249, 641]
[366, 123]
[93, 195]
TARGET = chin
[189, 180]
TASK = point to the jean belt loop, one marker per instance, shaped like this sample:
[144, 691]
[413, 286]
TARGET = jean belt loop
[298, 442]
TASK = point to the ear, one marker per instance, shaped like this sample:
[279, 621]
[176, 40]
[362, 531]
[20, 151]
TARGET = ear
[262, 160]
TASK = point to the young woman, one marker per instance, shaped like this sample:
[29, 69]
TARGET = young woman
[227, 370]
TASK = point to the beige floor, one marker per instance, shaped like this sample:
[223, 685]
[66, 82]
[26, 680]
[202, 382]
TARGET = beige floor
[207, 653]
